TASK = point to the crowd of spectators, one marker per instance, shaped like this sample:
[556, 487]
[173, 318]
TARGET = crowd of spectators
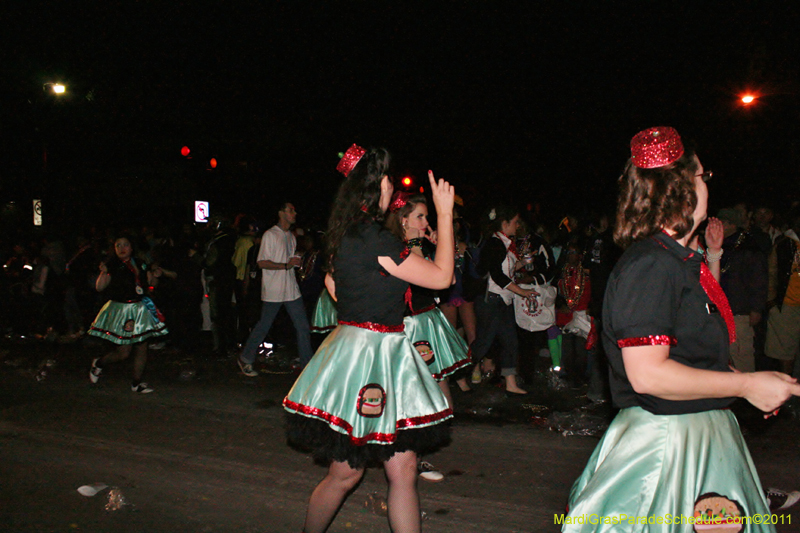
[48, 285]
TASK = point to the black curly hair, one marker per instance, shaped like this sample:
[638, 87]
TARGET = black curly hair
[357, 200]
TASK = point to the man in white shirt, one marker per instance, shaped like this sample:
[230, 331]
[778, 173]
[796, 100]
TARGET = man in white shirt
[276, 258]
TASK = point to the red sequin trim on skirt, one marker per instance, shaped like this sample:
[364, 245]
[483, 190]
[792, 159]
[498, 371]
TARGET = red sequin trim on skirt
[424, 310]
[372, 326]
[387, 438]
[439, 376]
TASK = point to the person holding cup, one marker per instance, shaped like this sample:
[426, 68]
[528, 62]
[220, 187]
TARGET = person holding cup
[279, 288]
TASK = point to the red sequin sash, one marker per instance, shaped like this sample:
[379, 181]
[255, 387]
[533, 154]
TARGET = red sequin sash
[134, 271]
[717, 296]
[407, 298]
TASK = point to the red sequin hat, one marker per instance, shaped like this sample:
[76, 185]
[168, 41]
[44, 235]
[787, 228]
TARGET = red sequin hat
[656, 147]
[399, 199]
[350, 159]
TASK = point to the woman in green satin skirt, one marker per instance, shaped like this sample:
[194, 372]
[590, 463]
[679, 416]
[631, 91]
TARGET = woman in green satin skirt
[673, 459]
[440, 346]
[325, 317]
[129, 318]
[366, 395]
[436, 340]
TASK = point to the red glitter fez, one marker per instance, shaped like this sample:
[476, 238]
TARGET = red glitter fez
[656, 147]
[399, 200]
[350, 159]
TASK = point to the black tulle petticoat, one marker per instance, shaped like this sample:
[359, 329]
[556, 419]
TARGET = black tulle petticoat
[326, 445]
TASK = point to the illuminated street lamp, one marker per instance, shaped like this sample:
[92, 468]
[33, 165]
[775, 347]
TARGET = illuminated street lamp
[57, 88]
[748, 99]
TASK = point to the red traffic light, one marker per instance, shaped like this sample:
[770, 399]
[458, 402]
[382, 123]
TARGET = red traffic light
[185, 151]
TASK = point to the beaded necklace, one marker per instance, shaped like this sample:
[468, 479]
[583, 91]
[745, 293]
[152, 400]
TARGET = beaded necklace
[739, 240]
[416, 242]
[572, 285]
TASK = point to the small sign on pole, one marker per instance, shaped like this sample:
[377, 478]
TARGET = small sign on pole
[201, 212]
[37, 212]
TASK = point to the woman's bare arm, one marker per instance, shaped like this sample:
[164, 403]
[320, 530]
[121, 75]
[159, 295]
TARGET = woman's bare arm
[103, 279]
[330, 285]
[651, 371]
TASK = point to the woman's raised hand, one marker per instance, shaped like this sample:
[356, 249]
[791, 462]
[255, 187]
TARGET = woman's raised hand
[443, 195]
[714, 234]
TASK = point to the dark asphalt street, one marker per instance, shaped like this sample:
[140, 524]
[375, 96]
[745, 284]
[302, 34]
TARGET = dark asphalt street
[206, 453]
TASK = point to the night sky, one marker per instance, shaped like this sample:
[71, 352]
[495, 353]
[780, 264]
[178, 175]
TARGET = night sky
[521, 102]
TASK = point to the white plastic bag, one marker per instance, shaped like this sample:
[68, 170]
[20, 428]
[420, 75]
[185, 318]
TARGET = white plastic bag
[537, 313]
[581, 324]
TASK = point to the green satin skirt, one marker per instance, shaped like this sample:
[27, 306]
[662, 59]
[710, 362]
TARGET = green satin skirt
[325, 317]
[126, 323]
[669, 467]
[439, 345]
[368, 385]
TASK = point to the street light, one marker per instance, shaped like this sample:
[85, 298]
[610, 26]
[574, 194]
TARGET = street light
[748, 99]
[57, 88]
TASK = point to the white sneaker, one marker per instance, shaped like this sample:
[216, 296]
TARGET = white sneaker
[428, 472]
[780, 500]
[141, 388]
[246, 368]
[95, 372]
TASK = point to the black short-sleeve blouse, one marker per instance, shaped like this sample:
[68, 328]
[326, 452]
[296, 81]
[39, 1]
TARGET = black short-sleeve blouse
[122, 286]
[422, 298]
[365, 292]
[654, 297]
